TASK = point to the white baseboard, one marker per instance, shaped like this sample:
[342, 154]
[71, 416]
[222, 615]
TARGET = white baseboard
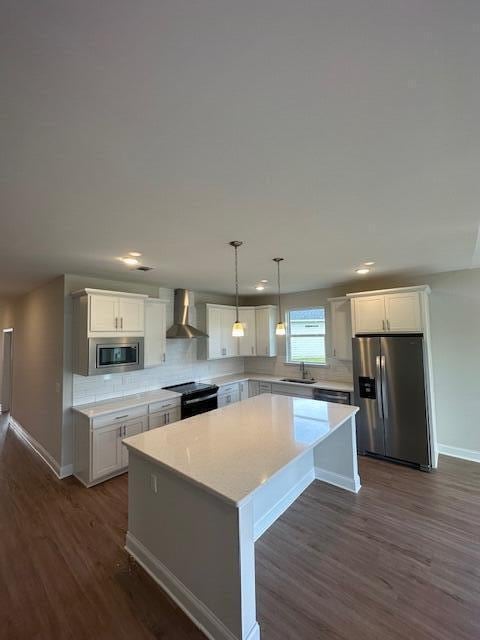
[457, 452]
[195, 609]
[282, 505]
[344, 482]
[60, 472]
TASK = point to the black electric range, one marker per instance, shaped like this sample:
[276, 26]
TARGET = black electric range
[197, 397]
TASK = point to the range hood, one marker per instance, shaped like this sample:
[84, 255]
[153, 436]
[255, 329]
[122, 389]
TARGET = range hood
[181, 328]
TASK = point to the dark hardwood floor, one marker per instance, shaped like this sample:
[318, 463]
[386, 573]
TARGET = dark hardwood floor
[401, 560]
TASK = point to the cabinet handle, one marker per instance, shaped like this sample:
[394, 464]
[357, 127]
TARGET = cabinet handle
[121, 323]
[388, 325]
[167, 418]
[163, 357]
[252, 351]
[383, 325]
[121, 417]
[334, 353]
[124, 430]
[116, 323]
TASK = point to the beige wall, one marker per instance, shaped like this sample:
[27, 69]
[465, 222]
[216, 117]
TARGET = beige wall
[455, 323]
[37, 319]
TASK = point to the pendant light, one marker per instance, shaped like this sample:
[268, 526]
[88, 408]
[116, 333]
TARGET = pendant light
[280, 328]
[237, 329]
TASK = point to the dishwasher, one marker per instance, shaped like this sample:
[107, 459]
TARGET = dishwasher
[328, 395]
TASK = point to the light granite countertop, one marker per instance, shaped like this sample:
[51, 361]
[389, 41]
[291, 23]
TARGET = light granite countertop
[233, 451]
[331, 385]
[95, 409]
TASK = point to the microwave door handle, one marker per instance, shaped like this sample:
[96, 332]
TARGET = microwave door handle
[378, 364]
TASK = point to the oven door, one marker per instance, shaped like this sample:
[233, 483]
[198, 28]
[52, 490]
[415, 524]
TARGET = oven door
[194, 406]
[115, 355]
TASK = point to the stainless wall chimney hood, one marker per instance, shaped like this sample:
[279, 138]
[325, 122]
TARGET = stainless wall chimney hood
[180, 327]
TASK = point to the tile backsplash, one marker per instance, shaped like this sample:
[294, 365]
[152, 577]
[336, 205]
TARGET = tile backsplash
[181, 366]
[337, 370]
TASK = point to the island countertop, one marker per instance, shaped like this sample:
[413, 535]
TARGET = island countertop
[233, 451]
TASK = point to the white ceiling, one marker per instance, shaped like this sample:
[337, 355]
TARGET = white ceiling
[328, 132]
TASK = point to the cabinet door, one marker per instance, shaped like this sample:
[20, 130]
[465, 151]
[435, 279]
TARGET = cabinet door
[264, 387]
[131, 312]
[253, 388]
[215, 333]
[103, 313]
[229, 342]
[370, 314]
[174, 415]
[243, 390]
[247, 344]
[155, 333]
[130, 429]
[106, 450]
[341, 329]
[403, 312]
[262, 328]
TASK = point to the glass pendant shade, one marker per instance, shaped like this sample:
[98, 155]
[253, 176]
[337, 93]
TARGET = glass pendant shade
[237, 330]
[280, 329]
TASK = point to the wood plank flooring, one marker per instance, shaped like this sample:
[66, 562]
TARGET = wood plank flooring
[400, 560]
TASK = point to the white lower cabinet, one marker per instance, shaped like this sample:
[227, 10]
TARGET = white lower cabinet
[228, 394]
[99, 453]
[162, 418]
[264, 387]
[253, 388]
[106, 450]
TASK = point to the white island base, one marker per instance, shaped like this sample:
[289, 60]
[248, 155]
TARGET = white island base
[203, 490]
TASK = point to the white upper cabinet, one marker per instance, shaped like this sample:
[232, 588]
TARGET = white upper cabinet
[370, 314]
[403, 312]
[217, 321]
[389, 311]
[103, 313]
[108, 313]
[340, 329]
[265, 321]
[155, 332]
[247, 344]
[131, 315]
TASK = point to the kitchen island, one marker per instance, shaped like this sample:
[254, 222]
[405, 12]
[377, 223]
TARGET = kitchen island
[201, 492]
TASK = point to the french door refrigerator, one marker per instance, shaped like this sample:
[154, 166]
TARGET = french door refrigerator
[389, 386]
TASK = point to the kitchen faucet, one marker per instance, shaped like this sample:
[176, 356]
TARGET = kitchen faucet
[302, 370]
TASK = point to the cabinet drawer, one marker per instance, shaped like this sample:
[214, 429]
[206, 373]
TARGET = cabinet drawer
[119, 416]
[163, 405]
[228, 388]
[265, 387]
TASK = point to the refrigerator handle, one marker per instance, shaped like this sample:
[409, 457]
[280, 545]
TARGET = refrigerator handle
[384, 386]
[379, 383]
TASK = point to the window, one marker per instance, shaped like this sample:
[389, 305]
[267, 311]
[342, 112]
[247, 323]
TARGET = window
[306, 336]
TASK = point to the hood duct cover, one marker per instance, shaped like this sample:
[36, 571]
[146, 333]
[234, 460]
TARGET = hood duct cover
[181, 328]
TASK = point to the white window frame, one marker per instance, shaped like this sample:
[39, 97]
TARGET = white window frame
[313, 335]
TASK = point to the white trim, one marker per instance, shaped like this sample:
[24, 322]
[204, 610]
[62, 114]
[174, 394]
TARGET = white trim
[195, 609]
[267, 519]
[60, 472]
[344, 482]
[457, 452]
[422, 288]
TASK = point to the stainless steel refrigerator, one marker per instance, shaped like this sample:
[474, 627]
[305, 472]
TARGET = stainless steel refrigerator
[389, 381]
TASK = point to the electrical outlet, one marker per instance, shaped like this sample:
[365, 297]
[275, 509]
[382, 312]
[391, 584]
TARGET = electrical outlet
[153, 483]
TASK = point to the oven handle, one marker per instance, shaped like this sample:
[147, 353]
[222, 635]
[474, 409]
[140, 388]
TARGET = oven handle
[195, 400]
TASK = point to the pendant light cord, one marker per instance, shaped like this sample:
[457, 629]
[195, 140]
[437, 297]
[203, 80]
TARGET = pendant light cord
[278, 260]
[236, 280]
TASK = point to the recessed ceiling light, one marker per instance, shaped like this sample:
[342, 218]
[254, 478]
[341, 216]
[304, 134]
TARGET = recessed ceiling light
[362, 271]
[259, 287]
[369, 264]
[264, 281]
[130, 261]
[134, 254]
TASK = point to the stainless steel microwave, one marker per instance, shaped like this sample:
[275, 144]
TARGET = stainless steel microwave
[114, 355]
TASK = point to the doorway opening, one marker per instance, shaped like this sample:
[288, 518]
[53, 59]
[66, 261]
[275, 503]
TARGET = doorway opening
[7, 372]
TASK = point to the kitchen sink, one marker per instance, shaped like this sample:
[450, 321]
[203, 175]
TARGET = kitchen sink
[299, 380]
